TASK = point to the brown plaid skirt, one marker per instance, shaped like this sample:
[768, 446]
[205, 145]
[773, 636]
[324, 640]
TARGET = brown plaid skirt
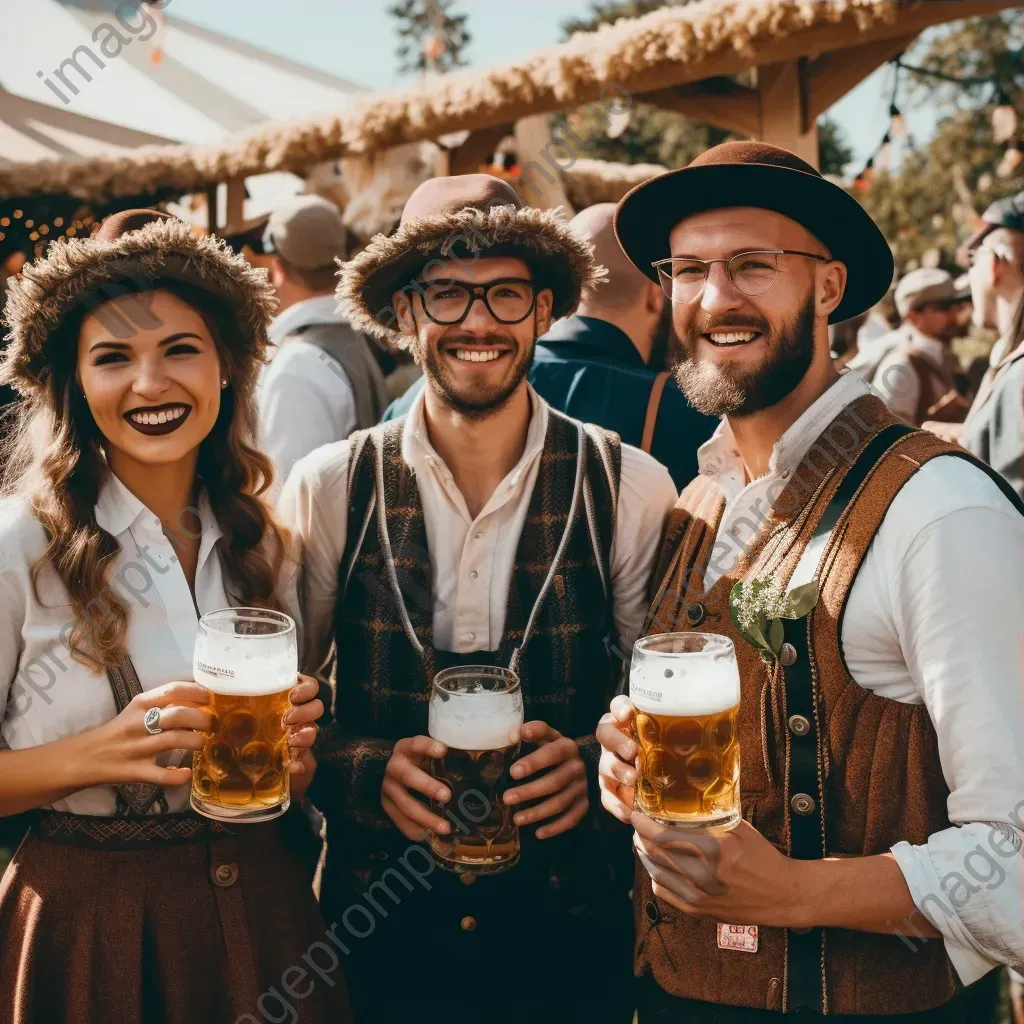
[165, 920]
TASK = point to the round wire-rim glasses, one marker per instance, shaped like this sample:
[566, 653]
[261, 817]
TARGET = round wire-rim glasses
[449, 302]
[752, 272]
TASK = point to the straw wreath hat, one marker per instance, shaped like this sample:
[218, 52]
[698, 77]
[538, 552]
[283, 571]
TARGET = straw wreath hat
[464, 217]
[130, 247]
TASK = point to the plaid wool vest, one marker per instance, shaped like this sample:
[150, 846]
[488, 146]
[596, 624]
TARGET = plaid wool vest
[559, 633]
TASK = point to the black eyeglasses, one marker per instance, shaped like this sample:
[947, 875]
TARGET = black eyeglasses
[509, 300]
[752, 272]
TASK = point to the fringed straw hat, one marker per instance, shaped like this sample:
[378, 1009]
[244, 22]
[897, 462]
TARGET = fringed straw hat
[134, 247]
[464, 217]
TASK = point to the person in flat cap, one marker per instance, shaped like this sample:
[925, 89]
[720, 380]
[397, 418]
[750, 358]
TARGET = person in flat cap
[914, 368]
[323, 380]
[994, 428]
[481, 529]
[838, 551]
[132, 505]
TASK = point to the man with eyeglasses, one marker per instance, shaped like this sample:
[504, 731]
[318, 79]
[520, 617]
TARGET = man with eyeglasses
[481, 528]
[994, 429]
[881, 722]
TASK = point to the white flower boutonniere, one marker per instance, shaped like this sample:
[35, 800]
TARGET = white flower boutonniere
[758, 606]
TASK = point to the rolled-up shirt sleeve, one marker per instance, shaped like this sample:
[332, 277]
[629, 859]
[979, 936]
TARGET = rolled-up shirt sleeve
[958, 604]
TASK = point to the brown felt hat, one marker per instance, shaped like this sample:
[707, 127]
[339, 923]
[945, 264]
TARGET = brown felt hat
[770, 178]
[465, 217]
[132, 246]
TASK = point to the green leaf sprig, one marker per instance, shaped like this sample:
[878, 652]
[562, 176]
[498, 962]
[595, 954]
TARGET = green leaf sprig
[758, 606]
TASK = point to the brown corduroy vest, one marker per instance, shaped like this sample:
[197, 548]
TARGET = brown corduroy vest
[872, 762]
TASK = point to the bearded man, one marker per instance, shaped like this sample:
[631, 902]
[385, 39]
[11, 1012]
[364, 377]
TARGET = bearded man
[482, 528]
[882, 733]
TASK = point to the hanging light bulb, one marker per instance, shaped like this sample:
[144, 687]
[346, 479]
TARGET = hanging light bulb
[863, 180]
[1012, 159]
[434, 46]
[897, 123]
[1004, 118]
[883, 158]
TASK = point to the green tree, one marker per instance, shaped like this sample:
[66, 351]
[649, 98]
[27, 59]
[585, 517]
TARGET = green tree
[926, 206]
[659, 136]
[431, 37]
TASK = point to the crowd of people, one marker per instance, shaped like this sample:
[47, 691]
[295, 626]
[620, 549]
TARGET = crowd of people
[621, 422]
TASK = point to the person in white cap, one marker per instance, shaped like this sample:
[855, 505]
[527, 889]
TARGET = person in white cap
[914, 368]
[324, 380]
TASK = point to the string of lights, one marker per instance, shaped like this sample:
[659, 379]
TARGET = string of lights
[1003, 117]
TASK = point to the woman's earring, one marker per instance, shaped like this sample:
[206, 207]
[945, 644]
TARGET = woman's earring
[223, 384]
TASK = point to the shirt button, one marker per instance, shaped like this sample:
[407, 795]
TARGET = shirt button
[468, 924]
[477, 535]
[735, 531]
[785, 474]
[474, 575]
[472, 636]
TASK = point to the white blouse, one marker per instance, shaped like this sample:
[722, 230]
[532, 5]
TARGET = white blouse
[45, 694]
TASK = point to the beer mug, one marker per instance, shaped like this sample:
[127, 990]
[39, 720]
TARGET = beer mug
[248, 659]
[686, 691]
[476, 711]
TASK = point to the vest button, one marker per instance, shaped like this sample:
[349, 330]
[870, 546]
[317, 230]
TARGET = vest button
[787, 655]
[802, 804]
[798, 725]
[696, 614]
[225, 876]
[468, 924]
[651, 911]
[467, 879]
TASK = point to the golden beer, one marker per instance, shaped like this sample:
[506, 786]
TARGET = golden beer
[685, 689]
[483, 837]
[247, 658]
[477, 712]
[243, 765]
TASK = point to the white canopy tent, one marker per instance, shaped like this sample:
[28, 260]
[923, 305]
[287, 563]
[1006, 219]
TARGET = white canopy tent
[85, 78]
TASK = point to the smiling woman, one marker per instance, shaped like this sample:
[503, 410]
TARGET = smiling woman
[132, 507]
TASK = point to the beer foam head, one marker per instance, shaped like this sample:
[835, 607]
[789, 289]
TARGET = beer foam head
[225, 668]
[476, 721]
[684, 685]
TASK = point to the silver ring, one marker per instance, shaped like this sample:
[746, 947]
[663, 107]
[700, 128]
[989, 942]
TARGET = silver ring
[152, 721]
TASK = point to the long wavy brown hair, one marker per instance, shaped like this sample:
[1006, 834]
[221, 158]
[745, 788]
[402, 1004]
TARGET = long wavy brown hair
[55, 459]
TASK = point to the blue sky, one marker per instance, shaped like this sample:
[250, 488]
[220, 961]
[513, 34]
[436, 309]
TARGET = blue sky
[355, 39]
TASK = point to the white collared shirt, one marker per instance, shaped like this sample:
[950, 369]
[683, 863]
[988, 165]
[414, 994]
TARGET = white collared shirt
[47, 695]
[472, 558]
[935, 616]
[304, 396]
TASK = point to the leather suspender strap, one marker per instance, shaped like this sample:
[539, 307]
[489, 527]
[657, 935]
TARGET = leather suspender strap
[653, 404]
[805, 986]
[133, 797]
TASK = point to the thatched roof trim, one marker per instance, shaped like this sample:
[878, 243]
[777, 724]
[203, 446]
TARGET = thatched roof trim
[662, 48]
[598, 181]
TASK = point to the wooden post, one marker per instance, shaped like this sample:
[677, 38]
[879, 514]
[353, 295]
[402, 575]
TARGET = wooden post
[785, 120]
[211, 208]
[234, 216]
[542, 160]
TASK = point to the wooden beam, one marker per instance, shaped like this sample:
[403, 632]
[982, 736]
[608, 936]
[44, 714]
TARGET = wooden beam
[910, 21]
[540, 181]
[832, 75]
[717, 101]
[465, 159]
[234, 215]
[785, 115]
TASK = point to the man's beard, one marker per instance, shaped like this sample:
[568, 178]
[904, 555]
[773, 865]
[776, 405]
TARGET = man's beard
[484, 401]
[723, 390]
